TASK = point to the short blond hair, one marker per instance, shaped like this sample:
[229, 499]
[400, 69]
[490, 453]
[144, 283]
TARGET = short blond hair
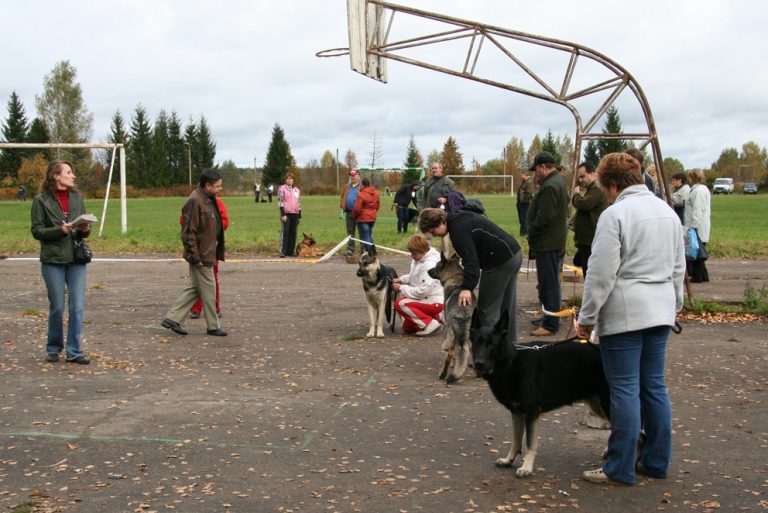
[696, 176]
[418, 244]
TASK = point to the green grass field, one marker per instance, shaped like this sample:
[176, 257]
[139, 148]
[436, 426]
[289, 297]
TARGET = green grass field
[739, 225]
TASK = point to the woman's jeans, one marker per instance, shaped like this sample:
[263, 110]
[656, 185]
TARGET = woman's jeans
[634, 367]
[60, 279]
[365, 231]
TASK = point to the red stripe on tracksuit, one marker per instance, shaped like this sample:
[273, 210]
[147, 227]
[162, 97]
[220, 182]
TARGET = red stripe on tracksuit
[417, 314]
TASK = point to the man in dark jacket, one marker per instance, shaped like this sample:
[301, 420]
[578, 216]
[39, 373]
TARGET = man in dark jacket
[434, 192]
[547, 230]
[404, 197]
[524, 195]
[202, 234]
[589, 201]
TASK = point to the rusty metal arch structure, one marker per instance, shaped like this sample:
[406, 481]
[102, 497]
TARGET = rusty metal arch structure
[378, 48]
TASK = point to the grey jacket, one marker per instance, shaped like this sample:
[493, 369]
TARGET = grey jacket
[697, 211]
[635, 278]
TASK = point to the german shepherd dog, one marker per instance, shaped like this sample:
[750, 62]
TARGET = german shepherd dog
[308, 247]
[456, 341]
[377, 285]
[530, 381]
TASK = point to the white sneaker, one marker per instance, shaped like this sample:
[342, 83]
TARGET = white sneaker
[429, 328]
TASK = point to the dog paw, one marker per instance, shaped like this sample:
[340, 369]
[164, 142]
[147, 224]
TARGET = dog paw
[504, 462]
[370, 334]
[442, 375]
[380, 334]
[524, 472]
[451, 379]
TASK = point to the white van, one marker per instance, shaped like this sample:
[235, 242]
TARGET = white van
[723, 185]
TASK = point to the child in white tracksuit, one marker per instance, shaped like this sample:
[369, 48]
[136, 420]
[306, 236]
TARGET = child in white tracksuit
[421, 297]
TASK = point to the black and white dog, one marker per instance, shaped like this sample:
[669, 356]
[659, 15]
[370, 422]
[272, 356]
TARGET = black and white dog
[530, 381]
[377, 286]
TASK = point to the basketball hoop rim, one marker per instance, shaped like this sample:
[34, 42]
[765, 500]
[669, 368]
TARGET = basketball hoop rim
[333, 52]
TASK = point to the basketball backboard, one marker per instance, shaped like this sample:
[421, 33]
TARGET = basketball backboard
[366, 32]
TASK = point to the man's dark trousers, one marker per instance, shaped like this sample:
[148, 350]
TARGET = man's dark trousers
[548, 276]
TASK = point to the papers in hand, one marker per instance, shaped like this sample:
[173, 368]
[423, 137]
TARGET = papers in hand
[84, 219]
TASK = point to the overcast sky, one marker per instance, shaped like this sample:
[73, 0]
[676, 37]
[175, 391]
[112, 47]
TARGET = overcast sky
[247, 64]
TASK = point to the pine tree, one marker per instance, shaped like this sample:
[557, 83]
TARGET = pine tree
[160, 173]
[451, 158]
[550, 145]
[413, 160]
[117, 135]
[279, 159]
[176, 152]
[15, 130]
[204, 150]
[140, 149]
[190, 142]
[612, 126]
[38, 133]
[591, 153]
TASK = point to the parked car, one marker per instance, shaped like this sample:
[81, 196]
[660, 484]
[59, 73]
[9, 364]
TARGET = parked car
[749, 188]
[723, 185]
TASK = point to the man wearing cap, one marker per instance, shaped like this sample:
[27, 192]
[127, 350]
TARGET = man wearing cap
[547, 230]
[435, 190]
[347, 204]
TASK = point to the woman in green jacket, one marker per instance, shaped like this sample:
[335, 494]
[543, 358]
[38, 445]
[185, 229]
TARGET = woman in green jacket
[52, 209]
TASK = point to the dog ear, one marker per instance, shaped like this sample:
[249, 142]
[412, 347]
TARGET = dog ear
[502, 325]
[372, 252]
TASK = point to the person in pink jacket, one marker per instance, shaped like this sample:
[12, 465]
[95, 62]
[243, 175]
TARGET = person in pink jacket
[365, 211]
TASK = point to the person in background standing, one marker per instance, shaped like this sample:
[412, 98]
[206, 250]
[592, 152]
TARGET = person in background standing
[289, 201]
[197, 308]
[202, 234]
[680, 194]
[632, 294]
[257, 191]
[58, 202]
[547, 232]
[402, 201]
[647, 179]
[365, 212]
[270, 190]
[347, 204]
[589, 204]
[697, 215]
[524, 195]
[22, 193]
[434, 192]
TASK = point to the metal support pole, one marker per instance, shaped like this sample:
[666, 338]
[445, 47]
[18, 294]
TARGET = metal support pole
[189, 160]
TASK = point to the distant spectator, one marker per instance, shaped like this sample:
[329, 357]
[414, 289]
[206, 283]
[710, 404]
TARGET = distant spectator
[524, 195]
[270, 190]
[652, 173]
[680, 194]
[289, 201]
[365, 213]
[638, 156]
[404, 198]
[434, 192]
[347, 205]
[697, 215]
[22, 193]
[589, 202]
[257, 191]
